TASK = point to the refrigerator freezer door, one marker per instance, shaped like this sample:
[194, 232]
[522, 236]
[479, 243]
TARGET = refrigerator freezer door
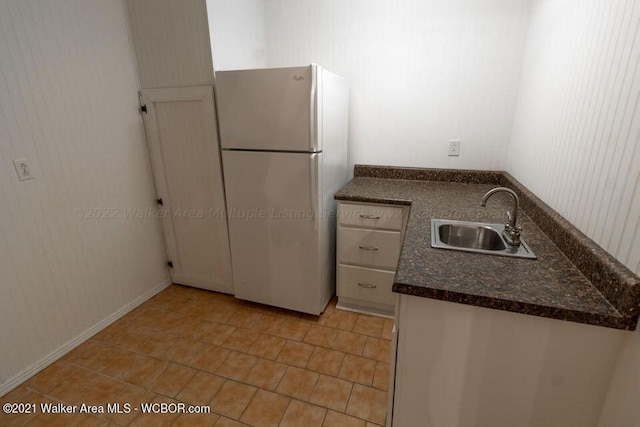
[272, 204]
[269, 109]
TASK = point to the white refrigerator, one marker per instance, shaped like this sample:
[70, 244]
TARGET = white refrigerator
[283, 134]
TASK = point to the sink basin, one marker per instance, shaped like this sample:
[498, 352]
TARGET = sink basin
[471, 236]
[475, 237]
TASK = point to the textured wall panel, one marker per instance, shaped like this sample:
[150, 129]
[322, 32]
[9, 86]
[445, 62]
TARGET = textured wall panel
[576, 135]
[68, 102]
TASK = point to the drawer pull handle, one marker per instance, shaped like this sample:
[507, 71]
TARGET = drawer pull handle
[369, 216]
[367, 285]
[368, 248]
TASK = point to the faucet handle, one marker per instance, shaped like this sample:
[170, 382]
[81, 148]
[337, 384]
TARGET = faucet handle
[512, 229]
[512, 234]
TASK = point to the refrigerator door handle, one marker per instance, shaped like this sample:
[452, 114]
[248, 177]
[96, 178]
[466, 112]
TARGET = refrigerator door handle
[313, 182]
[313, 109]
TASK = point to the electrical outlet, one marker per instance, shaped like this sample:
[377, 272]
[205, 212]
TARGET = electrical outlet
[23, 169]
[454, 147]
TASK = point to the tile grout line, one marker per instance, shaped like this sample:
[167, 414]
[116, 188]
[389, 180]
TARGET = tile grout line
[284, 412]
[248, 403]
[212, 410]
[226, 379]
[242, 380]
[201, 318]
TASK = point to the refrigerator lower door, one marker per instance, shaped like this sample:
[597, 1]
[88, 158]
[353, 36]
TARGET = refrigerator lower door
[272, 205]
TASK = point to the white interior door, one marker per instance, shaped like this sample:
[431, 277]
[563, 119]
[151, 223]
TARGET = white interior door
[272, 201]
[182, 135]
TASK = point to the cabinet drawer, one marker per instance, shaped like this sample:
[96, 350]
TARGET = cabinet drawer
[370, 216]
[374, 248]
[366, 284]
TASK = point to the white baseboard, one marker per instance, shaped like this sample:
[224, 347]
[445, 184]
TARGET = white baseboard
[79, 339]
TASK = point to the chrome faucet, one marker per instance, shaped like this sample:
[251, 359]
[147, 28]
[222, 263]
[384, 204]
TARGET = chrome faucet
[511, 231]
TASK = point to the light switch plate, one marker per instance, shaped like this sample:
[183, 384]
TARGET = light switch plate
[23, 169]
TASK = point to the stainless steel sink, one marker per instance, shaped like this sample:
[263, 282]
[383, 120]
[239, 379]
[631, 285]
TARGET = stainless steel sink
[475, 237]
[470, 236]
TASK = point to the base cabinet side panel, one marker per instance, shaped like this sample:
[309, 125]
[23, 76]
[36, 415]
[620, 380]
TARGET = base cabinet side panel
[461, 365]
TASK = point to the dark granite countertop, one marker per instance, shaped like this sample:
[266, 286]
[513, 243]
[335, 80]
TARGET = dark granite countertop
[602, 292]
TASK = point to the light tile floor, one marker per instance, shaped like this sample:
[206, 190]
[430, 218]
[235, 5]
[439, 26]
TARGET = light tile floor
[252, 364]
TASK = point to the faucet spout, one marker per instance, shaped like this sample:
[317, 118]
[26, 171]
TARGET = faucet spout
[511, 230]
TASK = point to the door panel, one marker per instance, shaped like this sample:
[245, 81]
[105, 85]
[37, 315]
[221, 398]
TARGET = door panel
[272, 205]
[180, 125]
[268, 109]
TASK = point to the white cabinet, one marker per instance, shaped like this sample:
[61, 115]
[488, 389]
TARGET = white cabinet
[184, 153]
[374, 248]
[369, 241]
[464, 366]
[173, 56]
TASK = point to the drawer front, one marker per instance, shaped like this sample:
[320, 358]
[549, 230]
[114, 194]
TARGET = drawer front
[373, 248]
[370, 216]
[366, 284]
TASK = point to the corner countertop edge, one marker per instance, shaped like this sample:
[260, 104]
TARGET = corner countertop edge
[614, 283]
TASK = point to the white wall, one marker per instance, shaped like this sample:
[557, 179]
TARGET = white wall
[68, 102]
[420, 72]
[576, 141]
[237, 33]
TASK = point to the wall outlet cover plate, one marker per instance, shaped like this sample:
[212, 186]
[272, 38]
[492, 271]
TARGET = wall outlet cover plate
[23, 169]
[454, 147]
